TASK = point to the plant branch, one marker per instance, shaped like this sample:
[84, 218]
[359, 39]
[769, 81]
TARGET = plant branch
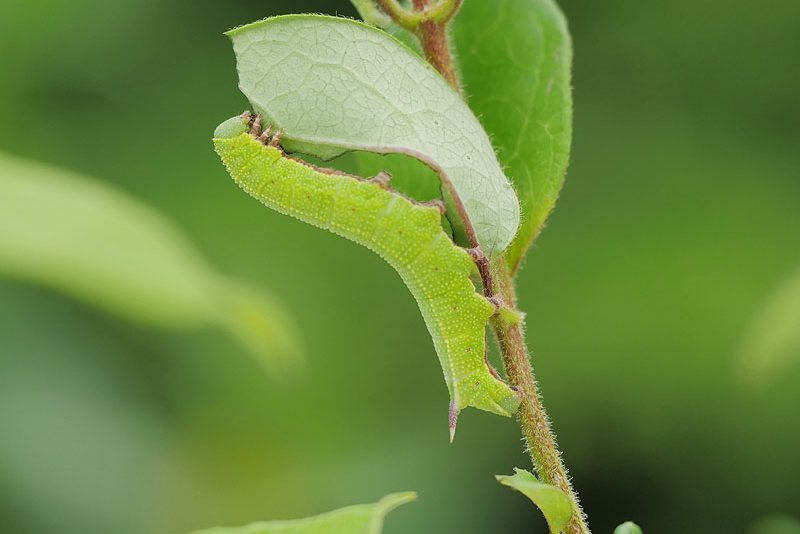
[433, 37]
[429, 24]
[539, 437]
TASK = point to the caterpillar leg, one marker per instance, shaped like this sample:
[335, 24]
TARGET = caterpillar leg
[436, 203]
[255, 129]
[383, 180]
[276, 139]
[497, 302]
[265, 136]
[248, 118]
[477, 254]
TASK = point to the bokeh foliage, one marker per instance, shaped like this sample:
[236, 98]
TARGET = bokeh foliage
[678, 217]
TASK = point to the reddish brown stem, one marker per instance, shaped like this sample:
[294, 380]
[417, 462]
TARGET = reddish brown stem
[433, 37]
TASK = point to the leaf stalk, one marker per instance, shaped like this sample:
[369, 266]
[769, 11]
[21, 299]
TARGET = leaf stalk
[532, 416]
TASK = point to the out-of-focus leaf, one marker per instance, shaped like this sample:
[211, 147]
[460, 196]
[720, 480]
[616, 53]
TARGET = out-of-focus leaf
[515, 58]
[553, 503]
[772, 341]
[334, 84]
[358, 519]
[73, 433]
[775, 524]
[628, 527]
[88, 240]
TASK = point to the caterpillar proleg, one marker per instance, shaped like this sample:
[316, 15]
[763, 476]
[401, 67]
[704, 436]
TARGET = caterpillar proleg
[405, 233]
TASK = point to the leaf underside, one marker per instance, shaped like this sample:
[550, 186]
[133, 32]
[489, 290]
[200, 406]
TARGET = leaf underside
[334, 85]
[515, 59]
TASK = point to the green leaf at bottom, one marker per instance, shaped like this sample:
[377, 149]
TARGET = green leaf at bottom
[628, 527]
[553, 503]
[358, 519]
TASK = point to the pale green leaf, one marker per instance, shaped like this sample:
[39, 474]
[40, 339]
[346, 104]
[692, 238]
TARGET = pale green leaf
[358, 519]
[334, 84]
[553, 503]
[628, 527]
[772, 341]
[775, 524]
[515, 58]
[86, 239]
[409, 176]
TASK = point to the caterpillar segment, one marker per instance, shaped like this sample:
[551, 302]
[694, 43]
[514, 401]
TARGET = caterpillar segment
[406, 233]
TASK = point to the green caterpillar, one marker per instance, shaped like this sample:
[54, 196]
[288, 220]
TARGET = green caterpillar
[406, 233]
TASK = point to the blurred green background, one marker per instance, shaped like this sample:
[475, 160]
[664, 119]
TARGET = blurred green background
[681, 212]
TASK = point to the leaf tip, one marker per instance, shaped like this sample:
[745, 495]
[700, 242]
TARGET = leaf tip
[551, 500]
[394, 500]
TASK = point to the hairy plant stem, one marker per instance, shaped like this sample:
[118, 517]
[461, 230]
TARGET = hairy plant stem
[432, 33]
[539, 437]
[430, 26]
[433, 36]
